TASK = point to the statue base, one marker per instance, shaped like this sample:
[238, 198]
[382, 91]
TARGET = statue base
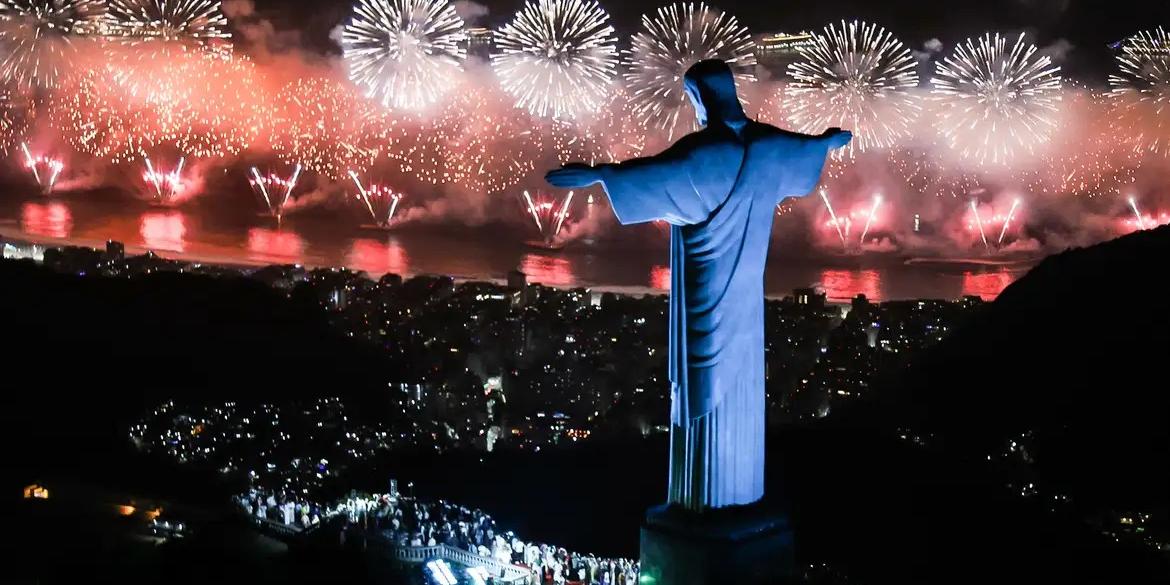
[746, 545]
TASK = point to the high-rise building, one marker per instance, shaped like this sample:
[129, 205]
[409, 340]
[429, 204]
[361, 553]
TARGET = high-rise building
[776, 50]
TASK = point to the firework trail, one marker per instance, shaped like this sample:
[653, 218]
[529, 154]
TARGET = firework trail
[38, 38]
[50, 166]
[996, 101]
[877, 200]
[167, 185]
[274, 189]
[548, 217]
[405, 53]
[832, 214]
[979, 222]
[380, 201]
[1007, 221]
[856, 76]
[1140, 91]
[557, 57]
[1141, 222]
[675, 38]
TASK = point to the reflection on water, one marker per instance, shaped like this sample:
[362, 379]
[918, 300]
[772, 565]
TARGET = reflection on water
[547, 270]
[986, 285]
[163, 230]
[48, 220]
[843, 285]
[378, 258]
[660, 277]
[275, 246]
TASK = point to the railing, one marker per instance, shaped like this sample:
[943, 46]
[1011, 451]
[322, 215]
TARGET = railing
[504, 572]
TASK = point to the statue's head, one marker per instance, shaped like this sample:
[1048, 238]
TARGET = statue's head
[711, 87]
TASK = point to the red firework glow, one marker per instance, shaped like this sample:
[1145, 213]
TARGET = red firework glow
[376, 258]
[986, 285]
[45, 169]
[274, 189]
[51, 220]
[548, 216]
[164, 230]
[660, 278]
[863, 219]
[275, 246]
[990, 224]
[1143, 221]
[379, 200]
[164, 187]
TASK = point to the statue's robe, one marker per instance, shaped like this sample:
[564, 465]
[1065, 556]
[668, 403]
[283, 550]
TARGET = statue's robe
[718, 189]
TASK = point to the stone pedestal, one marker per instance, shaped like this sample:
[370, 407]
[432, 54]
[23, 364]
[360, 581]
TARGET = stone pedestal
[746, 545]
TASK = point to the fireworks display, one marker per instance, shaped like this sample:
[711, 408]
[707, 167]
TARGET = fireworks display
[996, 101]
[44, 169]
[38, 38]
[548, 215]
[164, 99]
[675, 38]
[274, 189]
[164, 187]
[854, 75]
[380, 201]
[325, 127]
[1141, 91]
[186, 23]
[985, 223]
[196, 104]
[406, 53]
[557, 57]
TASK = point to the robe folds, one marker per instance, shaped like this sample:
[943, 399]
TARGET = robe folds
[718, 189]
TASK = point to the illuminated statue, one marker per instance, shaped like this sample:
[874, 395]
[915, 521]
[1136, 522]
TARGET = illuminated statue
[718, 189]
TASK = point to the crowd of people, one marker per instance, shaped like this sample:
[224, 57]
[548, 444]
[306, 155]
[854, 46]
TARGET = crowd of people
[284, 508]
[410, 522]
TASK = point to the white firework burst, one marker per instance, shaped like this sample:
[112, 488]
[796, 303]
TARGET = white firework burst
[557, 58]
[995, 100]
[405, 53]
[1140, 91]
[37, 38]
[198, 23]
[675, 38]
[855, 76]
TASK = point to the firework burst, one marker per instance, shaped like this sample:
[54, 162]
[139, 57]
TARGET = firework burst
[856, 76]
[379, 200]
[45, 169]
[197, 104]
[492, 150]
[198, 24]
[275, 190]
[162, 186]
[557, 57]
[1140, 91]
[326, 127]
[38, 38]
[675, 38]
[547, 214]
[405, 53]
[996, 101]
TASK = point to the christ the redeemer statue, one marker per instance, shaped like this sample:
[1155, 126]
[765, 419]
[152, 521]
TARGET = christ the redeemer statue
[718, 189]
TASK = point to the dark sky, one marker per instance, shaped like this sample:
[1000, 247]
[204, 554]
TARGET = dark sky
[1088, 25]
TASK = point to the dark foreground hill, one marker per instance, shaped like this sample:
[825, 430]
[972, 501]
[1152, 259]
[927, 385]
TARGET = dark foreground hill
[1077, 354]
